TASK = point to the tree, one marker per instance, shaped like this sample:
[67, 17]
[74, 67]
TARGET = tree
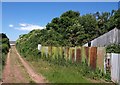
[89, 24]
[70, 14]
[73, 34]
[117, 18]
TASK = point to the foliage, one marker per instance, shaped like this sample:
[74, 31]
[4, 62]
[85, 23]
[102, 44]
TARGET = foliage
[117, 19]
[70, 29]
[113, 48]
[4, 48]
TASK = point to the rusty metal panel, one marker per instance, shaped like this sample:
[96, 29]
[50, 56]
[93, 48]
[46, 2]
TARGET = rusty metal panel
[101, 53]
[70, 54]
[50, 51]
[75, 52]
[87, 54]
[67, 53]
[83, 54]
[42, 52]
[73, 55]
[55, 52]
[63, 52]
[78, 55]
[60, 52]
[93, 57]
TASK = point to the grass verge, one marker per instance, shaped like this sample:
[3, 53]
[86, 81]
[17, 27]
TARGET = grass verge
[55, 73]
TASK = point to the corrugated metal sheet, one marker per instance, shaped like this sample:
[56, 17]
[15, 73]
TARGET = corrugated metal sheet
[78, 55]
[110, 37]
[67, 53]
[70, 53]
[45, 51]
[93, 57]
[119, 69]
[87, 54]
[60, 52]
[50, 51]
[64, 52]
[73, 55]
[115, 67]
[55, 52]
[101, 53]
[83, 54]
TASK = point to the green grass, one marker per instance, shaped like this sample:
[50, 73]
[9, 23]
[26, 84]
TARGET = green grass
[58, 74]
[0, 68]
[2, 63]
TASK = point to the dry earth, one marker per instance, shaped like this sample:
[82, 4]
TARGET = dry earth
[17, 70]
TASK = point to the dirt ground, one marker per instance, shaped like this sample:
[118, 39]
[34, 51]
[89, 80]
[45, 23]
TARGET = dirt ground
[17, 70]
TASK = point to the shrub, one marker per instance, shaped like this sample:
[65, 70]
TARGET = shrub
[113, 48]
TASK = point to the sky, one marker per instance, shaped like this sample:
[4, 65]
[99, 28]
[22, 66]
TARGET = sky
[22, 17]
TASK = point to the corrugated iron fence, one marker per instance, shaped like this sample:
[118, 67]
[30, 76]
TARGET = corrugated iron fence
[93, 56]
[115, 67]
[111, 37]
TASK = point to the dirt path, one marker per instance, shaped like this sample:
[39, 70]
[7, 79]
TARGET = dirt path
[17, 70]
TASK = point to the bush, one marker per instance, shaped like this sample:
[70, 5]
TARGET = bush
[113, 48]
[4, 47]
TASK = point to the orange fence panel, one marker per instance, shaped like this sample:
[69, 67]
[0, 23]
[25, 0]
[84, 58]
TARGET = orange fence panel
[100, 57]
[78, 55]
[87, 54]
[93, 57]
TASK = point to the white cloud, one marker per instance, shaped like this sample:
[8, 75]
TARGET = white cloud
[23, 24]
[28, 27]
[11, 25]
